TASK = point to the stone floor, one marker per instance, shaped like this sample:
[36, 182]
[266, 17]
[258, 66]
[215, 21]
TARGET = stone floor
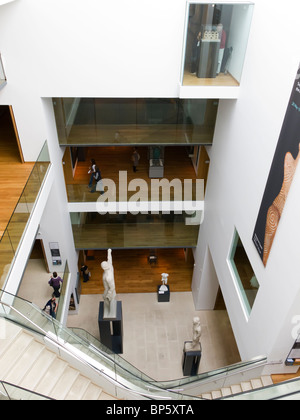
[154, 333]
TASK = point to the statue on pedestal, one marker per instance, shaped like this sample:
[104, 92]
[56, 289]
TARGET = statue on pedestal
[109, 296]
[164, 279]
[195, 345]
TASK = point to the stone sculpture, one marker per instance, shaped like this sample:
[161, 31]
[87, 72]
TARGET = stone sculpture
[109, 296]
[195, 345]
[164, 279]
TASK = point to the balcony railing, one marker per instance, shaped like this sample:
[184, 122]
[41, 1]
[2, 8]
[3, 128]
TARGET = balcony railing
[16, 227]
[144, 121]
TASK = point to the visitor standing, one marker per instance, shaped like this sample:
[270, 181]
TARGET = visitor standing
[55, 282]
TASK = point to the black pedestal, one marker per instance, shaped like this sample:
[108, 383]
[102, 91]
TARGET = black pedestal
[163, 297]
[191, 361]
[111, 329]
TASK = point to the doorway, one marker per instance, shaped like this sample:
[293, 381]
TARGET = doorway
[10, 146]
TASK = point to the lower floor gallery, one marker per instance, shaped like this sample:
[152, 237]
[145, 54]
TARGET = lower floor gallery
[154, 332]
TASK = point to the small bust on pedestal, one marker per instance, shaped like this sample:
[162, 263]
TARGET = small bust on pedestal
[109, 296]
[195, 345]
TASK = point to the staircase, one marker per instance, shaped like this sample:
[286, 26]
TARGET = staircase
[239, 388]
[27, 363]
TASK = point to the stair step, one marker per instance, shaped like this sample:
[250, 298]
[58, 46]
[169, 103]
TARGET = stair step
[236, 389]
[8, 333]
[207, 396]
[106, 397]
[51, 376]
[226, 392]
[246, 386]
[38, 370]
[13, 352]
[216, 394]
[266, 380]
[256, 383]
[92, 393]
[78, 388]
[24, 363]
[64, 383]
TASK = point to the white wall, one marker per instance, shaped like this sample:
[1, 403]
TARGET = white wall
[91, 48]
[246, 136]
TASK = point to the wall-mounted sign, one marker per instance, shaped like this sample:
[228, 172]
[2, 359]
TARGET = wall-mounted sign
[55, 253]
[287, 156]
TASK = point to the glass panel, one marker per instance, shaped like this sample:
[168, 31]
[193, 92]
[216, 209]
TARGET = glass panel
[17, 394]
[6, 257]
[104, 361]
[216, 42]
[244, 274]
[136, 121]
[63, 290]
[135, 231]
[19, 219]
[3, 393]
[2, 74]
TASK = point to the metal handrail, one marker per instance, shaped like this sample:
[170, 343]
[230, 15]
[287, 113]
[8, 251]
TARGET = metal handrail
[59, 343]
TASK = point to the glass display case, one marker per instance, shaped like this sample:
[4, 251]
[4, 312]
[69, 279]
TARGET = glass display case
[156, 162]
[215, 44]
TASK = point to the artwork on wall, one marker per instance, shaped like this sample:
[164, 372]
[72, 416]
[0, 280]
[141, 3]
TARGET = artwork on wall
[287, 156]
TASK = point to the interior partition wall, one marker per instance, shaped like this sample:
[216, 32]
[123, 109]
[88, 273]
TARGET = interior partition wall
[147, 121]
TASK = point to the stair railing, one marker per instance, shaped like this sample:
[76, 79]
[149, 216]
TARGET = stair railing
[68, 344]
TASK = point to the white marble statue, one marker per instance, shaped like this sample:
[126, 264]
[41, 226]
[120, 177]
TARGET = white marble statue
[164, 279]
[109, 296]
[197, 332]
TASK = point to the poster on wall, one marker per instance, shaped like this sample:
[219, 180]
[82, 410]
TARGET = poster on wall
[287, 156]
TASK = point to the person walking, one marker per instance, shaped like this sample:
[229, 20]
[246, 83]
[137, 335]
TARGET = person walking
[135, 159]
[92, 170]
[85, 273]
[55, 283]
[51, 307]
[98, 184]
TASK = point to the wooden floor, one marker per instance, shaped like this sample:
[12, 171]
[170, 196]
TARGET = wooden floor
[134, 274]
[221, 80]
[111, 160]
[282, 377]
[13, 173]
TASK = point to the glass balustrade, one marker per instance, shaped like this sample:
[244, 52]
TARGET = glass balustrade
[16, 227]
[95, 231]
[63, 290]
[107, 364]
[90, 351]
[14, 393]
[144, 121]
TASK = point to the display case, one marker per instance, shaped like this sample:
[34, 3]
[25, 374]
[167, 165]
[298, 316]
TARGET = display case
[156, 162]
[216, 40]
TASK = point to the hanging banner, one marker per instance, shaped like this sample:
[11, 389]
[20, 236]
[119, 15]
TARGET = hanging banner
[281, 175]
